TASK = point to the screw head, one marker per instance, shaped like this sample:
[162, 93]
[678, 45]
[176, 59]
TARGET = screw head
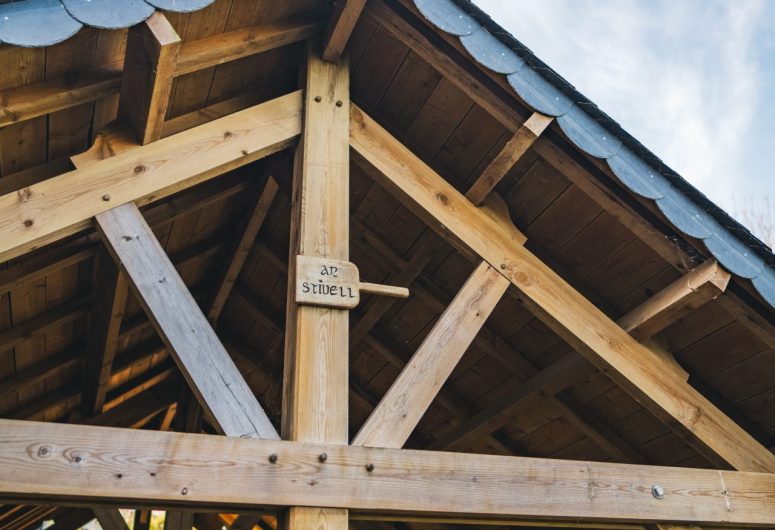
[184, 491]
[323, 457]
[318, 99]
[273, 458]
[339, 103]
[369, 467]
[658, 491]
[106, 197]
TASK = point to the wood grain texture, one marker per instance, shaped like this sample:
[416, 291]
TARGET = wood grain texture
[550, 298]
[211, 51]
[316, 371]
[210, 372]
[117, 466]
[38, 99]
[63, 205]
[678, 299]
[340, 26]
[151, 51]
[400, 410]
[507, 157]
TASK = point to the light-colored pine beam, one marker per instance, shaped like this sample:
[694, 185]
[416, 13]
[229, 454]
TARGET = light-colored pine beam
[687, 293]
[110, 519]
[211, 51]
[240, 252]
[209, 370]
[393, 420]
[344, 16]
[316, 370]
[63, 205]
[151, 52]
[110, 293]
[507, 157]
[119, 467]
[630, 364]
[38, 99]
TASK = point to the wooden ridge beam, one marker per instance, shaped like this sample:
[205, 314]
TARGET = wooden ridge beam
[410, 395]
[344, 17]
[211, 51]
[38, 99]
[63, 205]
[151, 52]
[631, 365]
[507, 157]
[176, 316]
[112, 467]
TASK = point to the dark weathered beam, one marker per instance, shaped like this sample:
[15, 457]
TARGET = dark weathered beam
[230, 46]
[110, 519]
[151, 52]
[38, 99]
[240, 253]
[116, 467]
[631, 365]
[344, 16]
[36, 326]
[63, 205]
[110, 293]
[176, 316]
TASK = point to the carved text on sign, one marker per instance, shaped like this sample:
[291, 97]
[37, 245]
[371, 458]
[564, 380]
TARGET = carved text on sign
[326, 282]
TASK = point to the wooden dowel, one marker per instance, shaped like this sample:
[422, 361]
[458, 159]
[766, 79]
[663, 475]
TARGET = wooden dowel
[384, 290]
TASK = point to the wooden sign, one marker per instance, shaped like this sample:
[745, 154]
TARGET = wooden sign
[327, 282]
[333, 283]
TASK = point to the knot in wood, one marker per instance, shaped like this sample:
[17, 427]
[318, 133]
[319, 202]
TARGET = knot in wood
[442, 198]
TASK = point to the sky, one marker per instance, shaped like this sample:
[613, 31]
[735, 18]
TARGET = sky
[693, 80]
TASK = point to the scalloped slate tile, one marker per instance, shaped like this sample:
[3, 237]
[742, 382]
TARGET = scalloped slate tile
[35, 23]
[109, 14]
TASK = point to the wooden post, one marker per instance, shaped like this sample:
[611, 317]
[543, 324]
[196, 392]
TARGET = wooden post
[315, 382]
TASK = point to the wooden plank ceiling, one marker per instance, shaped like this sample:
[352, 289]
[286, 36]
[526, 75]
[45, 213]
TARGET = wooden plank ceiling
[68, 353]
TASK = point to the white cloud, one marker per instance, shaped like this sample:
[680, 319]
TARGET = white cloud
[682, 77]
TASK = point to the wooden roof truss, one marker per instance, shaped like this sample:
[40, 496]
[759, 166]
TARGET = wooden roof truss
[310, 466]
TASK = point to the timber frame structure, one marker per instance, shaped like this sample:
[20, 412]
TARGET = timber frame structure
[557, 331]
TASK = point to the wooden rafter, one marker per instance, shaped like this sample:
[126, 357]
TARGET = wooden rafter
[404, 404]
[63, 205]
[112, 466]
[316, 370]
[340, 26]
[633, 366]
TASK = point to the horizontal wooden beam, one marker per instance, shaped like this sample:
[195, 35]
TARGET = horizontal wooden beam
[63, 205]
[129, 467]
[687, 293]
[634, 367]
[218, 49]
[37, 99]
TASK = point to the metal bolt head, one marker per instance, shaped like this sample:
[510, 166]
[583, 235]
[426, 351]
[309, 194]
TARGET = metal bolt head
[184, 491]
[369, 467]
[323, 457]
[658, 491]
[106, 197]
[339, 103]
[318, 99]
[273, 458]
